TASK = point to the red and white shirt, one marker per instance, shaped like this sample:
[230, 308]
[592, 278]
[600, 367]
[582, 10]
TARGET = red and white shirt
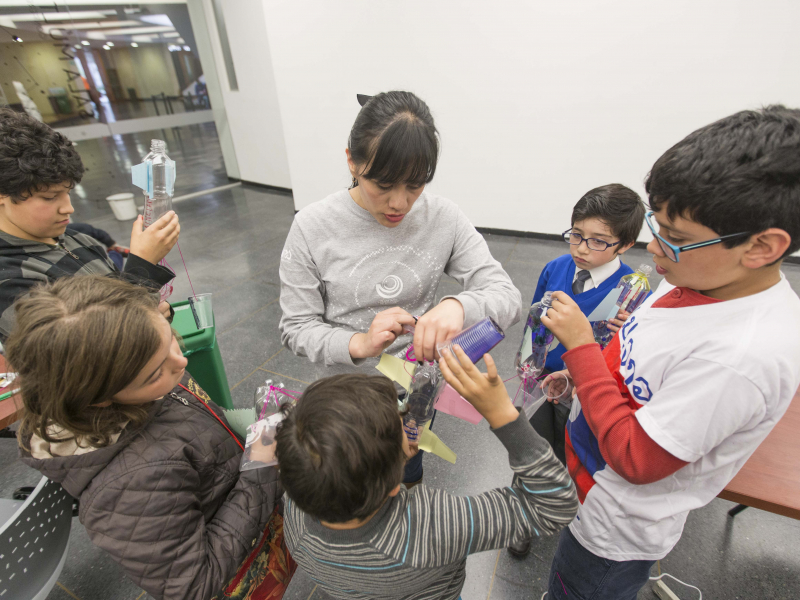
[672, 409]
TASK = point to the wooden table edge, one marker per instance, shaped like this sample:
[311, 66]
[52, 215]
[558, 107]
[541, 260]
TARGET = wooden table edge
[779, 509]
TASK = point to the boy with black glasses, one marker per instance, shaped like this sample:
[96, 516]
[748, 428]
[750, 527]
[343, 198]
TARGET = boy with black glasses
[701, 373]
[605, 223]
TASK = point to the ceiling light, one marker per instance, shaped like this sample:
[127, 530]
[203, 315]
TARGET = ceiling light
[142, 38]
[85, 43]
[95, 35]
[172, 34]
[187, 48]
[135, 30]
[16, 38]
[173, 48]
[181, 41]
[106, 47]
[157, 20]
[109, 43]
[134, 45]
[50, 3]
[91, 25]
[62, 16]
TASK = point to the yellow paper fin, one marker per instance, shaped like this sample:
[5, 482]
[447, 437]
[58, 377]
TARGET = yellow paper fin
[396, 369]
[430, 442]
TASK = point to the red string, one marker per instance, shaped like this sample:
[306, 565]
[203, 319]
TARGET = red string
[186, 269]
[216, 416]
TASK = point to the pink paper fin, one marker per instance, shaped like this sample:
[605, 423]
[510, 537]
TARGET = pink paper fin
[452, 403]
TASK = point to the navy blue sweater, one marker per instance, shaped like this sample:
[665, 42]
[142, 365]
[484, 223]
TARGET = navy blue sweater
[558, 275]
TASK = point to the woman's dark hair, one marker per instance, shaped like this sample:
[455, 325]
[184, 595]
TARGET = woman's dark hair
[739, 174]
[617, 206]
[33, 157]
[394, 140]
[78, 342]
[340, 449]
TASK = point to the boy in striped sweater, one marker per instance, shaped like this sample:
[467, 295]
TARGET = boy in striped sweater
[359, 533]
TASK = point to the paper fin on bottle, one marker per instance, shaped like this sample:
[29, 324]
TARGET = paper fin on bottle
[240, 419]
[430, 442]
[451, 403]
[607, 309]
[142, 176]
[397, 369]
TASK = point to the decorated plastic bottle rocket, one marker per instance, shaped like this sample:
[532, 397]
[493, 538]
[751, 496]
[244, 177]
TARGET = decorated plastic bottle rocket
[536, 338]
[155, 175]
[426, 385]
[634, 288]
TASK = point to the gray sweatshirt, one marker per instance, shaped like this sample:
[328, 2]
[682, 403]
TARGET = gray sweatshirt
[416, 545]
[340, 267]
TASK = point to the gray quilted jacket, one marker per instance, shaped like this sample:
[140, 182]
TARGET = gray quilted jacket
[167, 500]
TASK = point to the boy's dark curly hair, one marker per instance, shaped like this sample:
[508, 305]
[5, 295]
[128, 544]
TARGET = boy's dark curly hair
[33, 157]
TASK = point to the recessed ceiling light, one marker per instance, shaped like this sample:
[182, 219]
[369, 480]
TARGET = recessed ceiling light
[109, 43]
[137, 30]
[134, 45]
[85, 42]
[16, 38]
[106, 47]
[62, 16]
[187, 48]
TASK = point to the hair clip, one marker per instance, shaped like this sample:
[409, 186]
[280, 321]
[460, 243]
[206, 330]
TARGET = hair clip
[363, 99]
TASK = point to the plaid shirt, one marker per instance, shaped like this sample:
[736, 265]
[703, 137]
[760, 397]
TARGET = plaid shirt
[25, 263]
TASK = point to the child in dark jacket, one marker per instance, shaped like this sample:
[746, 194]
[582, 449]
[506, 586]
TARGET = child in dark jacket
[148, 454]
[38, 168]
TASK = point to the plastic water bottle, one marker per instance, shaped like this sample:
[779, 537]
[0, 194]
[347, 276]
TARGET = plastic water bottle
[536, 338]
[633, 290]
[426, 385]
[155, 175]
[158, 196]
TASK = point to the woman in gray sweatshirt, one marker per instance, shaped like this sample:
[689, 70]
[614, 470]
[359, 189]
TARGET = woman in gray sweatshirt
[361, 267]
[358, 264]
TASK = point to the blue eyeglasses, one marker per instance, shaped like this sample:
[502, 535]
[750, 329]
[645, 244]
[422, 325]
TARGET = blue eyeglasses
[671, 251]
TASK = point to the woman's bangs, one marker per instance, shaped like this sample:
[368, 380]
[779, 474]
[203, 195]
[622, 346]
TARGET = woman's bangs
[405, 153]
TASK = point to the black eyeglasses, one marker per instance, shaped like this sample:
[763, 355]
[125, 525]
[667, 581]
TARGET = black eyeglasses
[576, 239]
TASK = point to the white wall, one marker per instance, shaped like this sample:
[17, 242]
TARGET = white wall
[252, 113]
[536, 102]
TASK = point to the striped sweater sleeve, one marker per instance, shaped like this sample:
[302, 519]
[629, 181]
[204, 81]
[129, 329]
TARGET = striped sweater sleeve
[541, 500]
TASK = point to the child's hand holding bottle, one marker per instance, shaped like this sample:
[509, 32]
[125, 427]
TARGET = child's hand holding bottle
[485, 391]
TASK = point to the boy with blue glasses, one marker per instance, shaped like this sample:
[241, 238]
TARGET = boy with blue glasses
[699, 375]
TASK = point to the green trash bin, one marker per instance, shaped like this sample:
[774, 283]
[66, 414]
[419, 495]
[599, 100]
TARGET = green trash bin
[202, 350]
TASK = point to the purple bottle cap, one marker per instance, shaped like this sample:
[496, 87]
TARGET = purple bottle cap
[479, 339]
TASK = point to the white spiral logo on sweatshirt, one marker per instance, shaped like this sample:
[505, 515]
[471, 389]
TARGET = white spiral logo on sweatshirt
[390, 287]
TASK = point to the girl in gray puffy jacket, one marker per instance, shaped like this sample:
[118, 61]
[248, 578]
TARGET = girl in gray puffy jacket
[112, 415]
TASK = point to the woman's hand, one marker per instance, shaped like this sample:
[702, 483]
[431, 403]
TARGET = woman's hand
[615, 324]
[155, 242]
[437, 326]
[567, 322]
[383, 330]
[485, 391]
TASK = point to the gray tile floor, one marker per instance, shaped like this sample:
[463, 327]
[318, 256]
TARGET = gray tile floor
[232, 243]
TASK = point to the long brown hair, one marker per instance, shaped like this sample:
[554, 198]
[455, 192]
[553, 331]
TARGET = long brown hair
[77, 343]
